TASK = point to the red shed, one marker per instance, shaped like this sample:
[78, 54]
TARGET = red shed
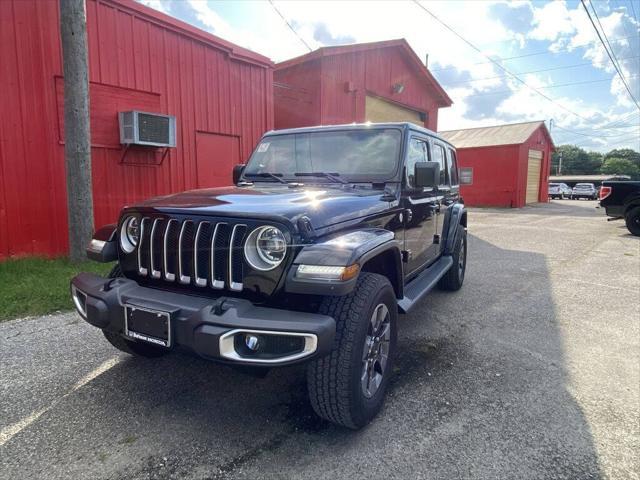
[505, 165]
[139, 59]
[377, 82]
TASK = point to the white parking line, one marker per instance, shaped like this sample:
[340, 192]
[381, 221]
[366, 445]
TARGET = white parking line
[7, 433]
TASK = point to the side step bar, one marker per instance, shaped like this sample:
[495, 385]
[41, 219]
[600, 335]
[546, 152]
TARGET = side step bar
[423, 283]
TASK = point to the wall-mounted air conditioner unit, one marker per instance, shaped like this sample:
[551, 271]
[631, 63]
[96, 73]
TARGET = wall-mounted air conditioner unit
[150, 129]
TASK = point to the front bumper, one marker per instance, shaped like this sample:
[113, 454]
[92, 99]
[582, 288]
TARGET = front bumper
[201, 325]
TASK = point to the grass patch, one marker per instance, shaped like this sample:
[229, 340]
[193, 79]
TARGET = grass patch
[37, 286]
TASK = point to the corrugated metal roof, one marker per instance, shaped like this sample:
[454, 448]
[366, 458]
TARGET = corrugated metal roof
[511, 134]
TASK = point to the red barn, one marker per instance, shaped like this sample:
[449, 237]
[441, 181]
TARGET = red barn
[139, 59]
[505, 165]
[376, 82]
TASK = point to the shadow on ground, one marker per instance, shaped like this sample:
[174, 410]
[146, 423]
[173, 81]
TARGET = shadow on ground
[480, 391]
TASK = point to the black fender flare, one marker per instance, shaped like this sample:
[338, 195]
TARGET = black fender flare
[103, 247]
[344, 249]
[455, 222]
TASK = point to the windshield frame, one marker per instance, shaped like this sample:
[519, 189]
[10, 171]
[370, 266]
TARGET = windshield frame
[393, 176]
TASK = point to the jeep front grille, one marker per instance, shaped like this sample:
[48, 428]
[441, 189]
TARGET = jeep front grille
[192, 252]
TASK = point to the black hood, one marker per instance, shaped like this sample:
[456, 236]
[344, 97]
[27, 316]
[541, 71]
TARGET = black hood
[323, 205]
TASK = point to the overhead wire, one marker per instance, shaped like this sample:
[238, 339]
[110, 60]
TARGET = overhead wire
[500, 66]
[542, 52]
[609, 54]
[290, 26]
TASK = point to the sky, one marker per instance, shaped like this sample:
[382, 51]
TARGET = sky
[551, 47]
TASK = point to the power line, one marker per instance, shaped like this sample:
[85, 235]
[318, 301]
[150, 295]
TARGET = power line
[589, 134]
[498, 64]
[562, 67]
[290, 27]
[604, 34]
[542, 52]
[633, 9]
[617, 142]
[584, 82]
[609, 54]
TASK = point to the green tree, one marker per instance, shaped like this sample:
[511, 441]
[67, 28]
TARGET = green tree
[626, 154]
[620, 166]
[576, 161]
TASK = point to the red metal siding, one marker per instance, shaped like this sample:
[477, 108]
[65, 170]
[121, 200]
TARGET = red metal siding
[137, 59]
[495, 175]
[500, 172]
[345, 80]
[297, 95]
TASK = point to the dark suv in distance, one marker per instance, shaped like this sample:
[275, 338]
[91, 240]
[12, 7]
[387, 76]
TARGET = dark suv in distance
[328, 234]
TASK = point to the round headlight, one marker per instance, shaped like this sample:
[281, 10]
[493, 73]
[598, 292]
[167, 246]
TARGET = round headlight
[265, 248]
[129, 234]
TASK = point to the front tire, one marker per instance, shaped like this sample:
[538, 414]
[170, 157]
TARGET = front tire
[348, 386]
[632, 220]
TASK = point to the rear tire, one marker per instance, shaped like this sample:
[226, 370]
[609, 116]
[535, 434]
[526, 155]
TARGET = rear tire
[453, 279]
[632, 219]
[138, 349]
[348, 386]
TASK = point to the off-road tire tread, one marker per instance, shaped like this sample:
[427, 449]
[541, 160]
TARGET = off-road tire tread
[450, 281]
[628, 220]
[328, 378]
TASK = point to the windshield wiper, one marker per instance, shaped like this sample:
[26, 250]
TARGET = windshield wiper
[277, 176]
[331, 176]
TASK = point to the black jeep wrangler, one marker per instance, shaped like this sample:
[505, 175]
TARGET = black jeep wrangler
[329, 233]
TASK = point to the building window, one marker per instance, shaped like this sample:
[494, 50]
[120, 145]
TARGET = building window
[466, 176]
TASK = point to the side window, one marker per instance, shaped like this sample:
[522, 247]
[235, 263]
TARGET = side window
[417, 153]
[439, 156]
[453, 167]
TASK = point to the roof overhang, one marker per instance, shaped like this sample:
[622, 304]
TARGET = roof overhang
[401, 44]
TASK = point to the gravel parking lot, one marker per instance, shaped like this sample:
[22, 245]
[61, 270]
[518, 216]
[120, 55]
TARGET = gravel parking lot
[532, 370]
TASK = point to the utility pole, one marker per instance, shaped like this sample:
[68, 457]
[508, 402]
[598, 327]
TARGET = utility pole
[77, 138]
[560, 164]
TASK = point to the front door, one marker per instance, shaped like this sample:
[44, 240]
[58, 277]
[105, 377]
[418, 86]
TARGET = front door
[420, 211]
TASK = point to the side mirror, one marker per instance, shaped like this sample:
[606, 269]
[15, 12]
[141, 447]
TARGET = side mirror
[427, 174]
[237, 172]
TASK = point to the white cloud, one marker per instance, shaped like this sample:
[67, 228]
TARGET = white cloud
[554, 24]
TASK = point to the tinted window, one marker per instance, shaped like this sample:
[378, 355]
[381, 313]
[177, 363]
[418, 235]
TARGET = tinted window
[439, 156]
[350, 153]
[453, 167]
[418, 152]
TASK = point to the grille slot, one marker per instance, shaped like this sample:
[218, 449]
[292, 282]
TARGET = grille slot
[185, 252]
[169, 250]
[143, 249]
[200, 253]
[235, 257]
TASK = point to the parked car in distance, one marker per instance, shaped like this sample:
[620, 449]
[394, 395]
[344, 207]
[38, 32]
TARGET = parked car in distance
[327, 234]
[585, 190]
[621, 200]
[559, 190]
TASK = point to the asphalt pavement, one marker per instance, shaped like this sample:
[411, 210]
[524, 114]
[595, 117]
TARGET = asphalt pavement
[532, 370]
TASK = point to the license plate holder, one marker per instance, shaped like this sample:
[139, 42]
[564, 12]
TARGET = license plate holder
[147, 325]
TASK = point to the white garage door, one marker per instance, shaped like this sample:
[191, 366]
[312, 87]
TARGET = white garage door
[533, 176]
[378, 110]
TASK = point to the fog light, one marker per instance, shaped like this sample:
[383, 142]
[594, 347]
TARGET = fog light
[252, 342]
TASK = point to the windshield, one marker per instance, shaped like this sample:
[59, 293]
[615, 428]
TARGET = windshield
[554, 185]
[356, 155]
[585, 185]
